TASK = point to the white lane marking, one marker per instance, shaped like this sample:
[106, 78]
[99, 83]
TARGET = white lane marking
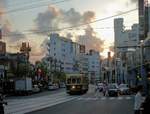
[112, 98]
[103, 98]
[127, 98]
[18, 101]
[33, 108]
[120, 98]
[88, 98]
[33, 101]
[37, 106]
[36, 103]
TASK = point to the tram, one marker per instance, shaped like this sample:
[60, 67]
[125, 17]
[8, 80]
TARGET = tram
[77, 83]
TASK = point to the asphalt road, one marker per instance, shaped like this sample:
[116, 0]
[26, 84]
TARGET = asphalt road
[91, 104]
[39, 94]
[58, 102]
[24, 104]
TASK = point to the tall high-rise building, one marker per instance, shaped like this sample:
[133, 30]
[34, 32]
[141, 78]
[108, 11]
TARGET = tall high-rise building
[143, 19]
[125, 37]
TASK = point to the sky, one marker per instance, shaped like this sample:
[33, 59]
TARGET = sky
[22, 19]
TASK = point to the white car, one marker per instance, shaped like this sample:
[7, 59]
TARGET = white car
[124, 89]
[113, 89]
[35, 89]
[53, 86]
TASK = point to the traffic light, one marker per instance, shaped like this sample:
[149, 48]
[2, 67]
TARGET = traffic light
[139, 77]
[148, 76]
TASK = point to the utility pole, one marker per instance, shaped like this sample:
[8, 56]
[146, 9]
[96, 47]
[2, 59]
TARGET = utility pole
[142, 70]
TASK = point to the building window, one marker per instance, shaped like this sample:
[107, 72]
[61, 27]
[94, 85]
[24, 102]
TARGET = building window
[54, 54]
[63, 55]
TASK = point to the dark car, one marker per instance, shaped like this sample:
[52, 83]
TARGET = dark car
[113, 90]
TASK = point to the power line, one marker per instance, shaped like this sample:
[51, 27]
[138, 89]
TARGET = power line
[76, 26]
[32, 7]
[26, 3]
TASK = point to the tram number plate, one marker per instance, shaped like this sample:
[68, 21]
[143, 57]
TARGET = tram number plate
[78, 86]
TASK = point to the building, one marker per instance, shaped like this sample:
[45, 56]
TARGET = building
[93, 65]
[126, 50]
[143, 18]
[62, 52]
[71, 57]
[123, 37]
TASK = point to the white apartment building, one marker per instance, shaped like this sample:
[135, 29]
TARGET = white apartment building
[61, 51]
[94, 65]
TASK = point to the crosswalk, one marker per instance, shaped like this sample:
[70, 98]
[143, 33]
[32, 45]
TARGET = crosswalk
[21, 106]
[105, 98]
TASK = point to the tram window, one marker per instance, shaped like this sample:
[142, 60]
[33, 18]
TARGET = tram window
[78, 80]
[73, 80]
[69, 81]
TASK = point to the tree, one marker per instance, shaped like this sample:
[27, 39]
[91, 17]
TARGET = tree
[43, 67]
[59, 76]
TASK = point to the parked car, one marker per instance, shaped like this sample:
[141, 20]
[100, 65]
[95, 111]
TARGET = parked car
[113, 90]
[124, 89]
[35, 89]
[62, 85]
[100, 87]
[40, 86]
[53, 86]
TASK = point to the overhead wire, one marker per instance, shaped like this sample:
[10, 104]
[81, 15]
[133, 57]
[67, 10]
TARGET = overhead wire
[71, 27]
[29, 7]
[26, 3]
[76, 26]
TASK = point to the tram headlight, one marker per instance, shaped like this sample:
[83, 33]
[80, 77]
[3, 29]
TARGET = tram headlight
[73, 87]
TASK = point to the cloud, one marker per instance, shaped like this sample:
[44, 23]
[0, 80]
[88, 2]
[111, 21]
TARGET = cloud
[47, 20]
[88, 16]
[2, 4]
[90, 40]
[134, 2]
[2, 9]
[69, 35]
[54, 18]
[10, 35]
[73, 17]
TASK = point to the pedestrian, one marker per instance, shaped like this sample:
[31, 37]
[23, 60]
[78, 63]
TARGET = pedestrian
[96, 90]
[138, 100]
[146, 105]
[105, 89]
[1, 104]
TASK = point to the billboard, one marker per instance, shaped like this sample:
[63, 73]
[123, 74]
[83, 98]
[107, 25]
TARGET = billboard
[82, 48]
[2, 47]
